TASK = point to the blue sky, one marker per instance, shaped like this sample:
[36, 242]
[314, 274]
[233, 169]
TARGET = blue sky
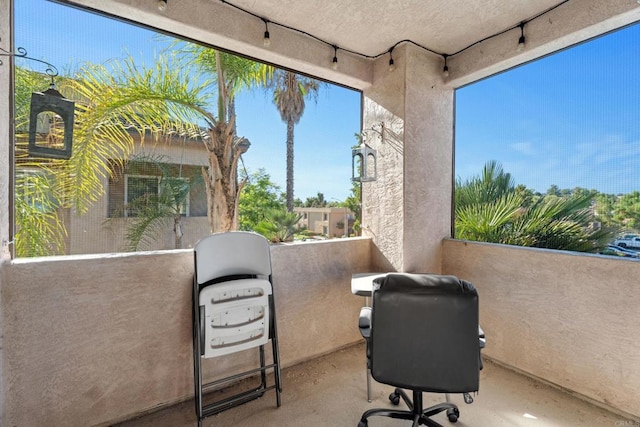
[571, 119]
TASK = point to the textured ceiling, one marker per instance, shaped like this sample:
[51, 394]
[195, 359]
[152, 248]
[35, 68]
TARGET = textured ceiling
[371, 27]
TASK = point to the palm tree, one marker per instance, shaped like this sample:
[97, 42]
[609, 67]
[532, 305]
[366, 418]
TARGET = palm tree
[161, 100]
[279, 225]
[289, 93]
[151, 213]
[118, 99]
[490, 208]
[40, 230]
[231, 73]
[491, 185]
[48, 188]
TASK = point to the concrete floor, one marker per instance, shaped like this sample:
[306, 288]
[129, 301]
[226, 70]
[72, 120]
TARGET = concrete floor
[331, 391]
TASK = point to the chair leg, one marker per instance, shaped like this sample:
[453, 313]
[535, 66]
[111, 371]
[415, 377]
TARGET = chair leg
[275, 351]
[276, 369]
[263, 374]
[197, 367]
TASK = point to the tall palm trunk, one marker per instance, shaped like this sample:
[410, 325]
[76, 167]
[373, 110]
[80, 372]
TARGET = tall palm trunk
[290, 126]
[225, 149]
[220, 180]
[289, 94]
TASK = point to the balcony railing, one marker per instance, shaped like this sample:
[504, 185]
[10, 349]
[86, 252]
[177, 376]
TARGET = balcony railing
[95, 339]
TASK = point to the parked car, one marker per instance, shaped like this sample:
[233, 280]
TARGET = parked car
[628, 241]
[620, 251]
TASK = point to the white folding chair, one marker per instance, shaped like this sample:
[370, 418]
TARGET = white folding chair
[233, 310]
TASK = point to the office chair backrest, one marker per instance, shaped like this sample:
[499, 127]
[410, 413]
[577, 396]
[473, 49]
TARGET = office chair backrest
[424, 333]
[232, 253]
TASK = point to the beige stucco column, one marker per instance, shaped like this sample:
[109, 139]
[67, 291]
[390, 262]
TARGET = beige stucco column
[5, 120]
[5, 73]
[408, 119]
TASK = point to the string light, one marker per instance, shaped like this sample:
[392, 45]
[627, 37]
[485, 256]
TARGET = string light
[266, 41]
[392, 65]
[162, 5]
[522, 39]
[334, 63]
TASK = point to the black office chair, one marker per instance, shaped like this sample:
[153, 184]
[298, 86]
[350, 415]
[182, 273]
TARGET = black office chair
[423, 335]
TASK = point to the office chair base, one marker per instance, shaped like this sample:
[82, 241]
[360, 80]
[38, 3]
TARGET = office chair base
[416, 413]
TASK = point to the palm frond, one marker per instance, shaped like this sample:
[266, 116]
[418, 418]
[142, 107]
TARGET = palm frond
[40, 230]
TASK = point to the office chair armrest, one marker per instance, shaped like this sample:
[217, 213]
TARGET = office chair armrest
[481, 337]
[364, 322]
[483, 342]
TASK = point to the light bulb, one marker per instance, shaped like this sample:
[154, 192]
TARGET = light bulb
[522, 39]
[334, 61]
[266, 40]
[162, 5]
[392, 65]
[445, 71]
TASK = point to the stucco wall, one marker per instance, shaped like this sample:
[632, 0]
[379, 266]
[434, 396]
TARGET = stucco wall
[428, 162]
[408, 119]
[90, 340]
[383, 130]
[5, 125]
[570, 319]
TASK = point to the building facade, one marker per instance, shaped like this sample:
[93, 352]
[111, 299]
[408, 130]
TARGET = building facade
[328, 221]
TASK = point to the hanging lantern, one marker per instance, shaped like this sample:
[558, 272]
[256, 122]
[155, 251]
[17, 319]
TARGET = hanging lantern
[51, 124]
[51, 118]
[363, 164]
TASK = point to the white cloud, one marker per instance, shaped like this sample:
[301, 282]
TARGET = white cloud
[525, 148]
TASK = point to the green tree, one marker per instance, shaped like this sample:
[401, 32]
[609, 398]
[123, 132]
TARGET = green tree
[626, 210]
[353, 202]
[315, 202]
[554, 190]
[604, 208]
[259, 196]
[289, 93]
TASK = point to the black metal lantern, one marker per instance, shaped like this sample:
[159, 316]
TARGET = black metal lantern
[364, 164]
[51, 124]
[51, 117]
